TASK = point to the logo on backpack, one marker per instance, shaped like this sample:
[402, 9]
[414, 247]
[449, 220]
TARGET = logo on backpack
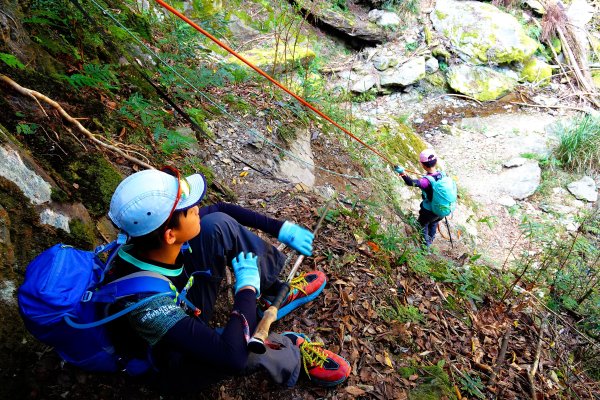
[61, 304]
[444, 197]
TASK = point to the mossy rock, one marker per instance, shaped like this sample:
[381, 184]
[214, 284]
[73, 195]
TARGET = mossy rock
[481, 83]
[437, 79]
[96, 179]
[596, 79]
[483, 33]
[441, 52]
[402, 143]
[536, 71]
[281, 58]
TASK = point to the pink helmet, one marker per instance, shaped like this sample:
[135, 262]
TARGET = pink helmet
[427, 155]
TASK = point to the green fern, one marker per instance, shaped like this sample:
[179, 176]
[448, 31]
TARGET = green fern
[95, 76]
[11, 61]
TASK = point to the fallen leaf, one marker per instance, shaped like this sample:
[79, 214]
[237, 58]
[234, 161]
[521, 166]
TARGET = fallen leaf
[355, 390]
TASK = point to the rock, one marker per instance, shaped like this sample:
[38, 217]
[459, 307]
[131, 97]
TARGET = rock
[482, 83]
[287, 56]
[506, 201]
[437, 79]
[515, 162]
[536, 6]
[7, 292]
[13, 168]
[559, 209]
[406, 74]
[441, 52]
[381, 62]
[239, 30]
[596, 79]
[584, 189]
[536, 71]
[346, 23]
[53, 218]
[431, 65]
[297, 171]
[347, 75]
[384, 18]
[521, 182]
[363, 84]
[481, 33]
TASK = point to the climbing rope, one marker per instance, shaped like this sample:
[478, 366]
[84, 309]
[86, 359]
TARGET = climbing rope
[269, 78]
[222, 109]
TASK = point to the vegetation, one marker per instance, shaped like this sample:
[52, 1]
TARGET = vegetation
[579, 144]
[429, 317]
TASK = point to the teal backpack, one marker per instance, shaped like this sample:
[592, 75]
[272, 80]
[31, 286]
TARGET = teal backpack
[444, 197]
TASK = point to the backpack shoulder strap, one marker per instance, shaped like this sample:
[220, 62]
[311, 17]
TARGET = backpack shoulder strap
[112, 317]
[136, 283]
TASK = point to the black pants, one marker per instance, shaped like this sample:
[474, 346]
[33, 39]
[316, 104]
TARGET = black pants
[220, 240]
[429, 222]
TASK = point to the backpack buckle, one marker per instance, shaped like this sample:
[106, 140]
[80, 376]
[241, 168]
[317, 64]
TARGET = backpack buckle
[87, 296]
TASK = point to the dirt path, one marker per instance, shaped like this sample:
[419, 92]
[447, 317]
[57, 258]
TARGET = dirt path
[473, 142]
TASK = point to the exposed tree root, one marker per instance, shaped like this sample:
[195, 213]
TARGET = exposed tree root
[36, 96]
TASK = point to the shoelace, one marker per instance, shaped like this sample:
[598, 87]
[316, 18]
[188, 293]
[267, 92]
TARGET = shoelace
[299, 283]
[312, 355]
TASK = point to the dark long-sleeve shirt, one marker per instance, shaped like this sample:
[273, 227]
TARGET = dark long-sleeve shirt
[245, 217]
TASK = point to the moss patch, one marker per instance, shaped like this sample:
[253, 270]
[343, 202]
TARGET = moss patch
[482, 83]
[596, 79]
[282, 58]
[401, 143]
[97, 180]
[536, 70]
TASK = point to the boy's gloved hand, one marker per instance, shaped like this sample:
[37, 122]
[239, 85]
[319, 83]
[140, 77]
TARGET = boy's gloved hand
[297, 237]
[245, 268]
[399, 169]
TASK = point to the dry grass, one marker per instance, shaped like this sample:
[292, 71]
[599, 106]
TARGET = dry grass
[554, 19]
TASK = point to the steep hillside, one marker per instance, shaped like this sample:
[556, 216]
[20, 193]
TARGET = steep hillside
[93, 91]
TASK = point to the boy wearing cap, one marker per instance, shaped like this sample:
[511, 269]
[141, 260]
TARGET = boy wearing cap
[427, 218]
[170, 235]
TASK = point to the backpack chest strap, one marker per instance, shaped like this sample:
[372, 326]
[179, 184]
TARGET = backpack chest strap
[137, 283]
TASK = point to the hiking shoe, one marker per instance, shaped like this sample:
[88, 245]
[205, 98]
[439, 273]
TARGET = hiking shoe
[322, 366]
[303, 289]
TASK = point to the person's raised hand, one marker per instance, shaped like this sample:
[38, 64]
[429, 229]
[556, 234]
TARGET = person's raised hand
[297, 237]
[245, 268]
[399, 169]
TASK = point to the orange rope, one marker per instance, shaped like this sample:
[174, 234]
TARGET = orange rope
[264, 74]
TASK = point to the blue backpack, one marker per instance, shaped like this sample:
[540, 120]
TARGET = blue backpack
[444, 197]
[62, 303]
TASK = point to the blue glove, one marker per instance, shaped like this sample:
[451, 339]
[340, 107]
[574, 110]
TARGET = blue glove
[399, 169]
[245, 268]
[297, 237]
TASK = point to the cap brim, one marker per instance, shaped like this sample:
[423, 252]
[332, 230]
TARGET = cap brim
[197, 191]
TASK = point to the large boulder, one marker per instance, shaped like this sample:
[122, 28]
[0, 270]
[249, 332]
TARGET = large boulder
[481, 83]
[481, 33]
[346, 23]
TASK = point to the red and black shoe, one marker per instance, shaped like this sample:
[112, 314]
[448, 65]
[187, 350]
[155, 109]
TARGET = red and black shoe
[303, 289]
[322, 366]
